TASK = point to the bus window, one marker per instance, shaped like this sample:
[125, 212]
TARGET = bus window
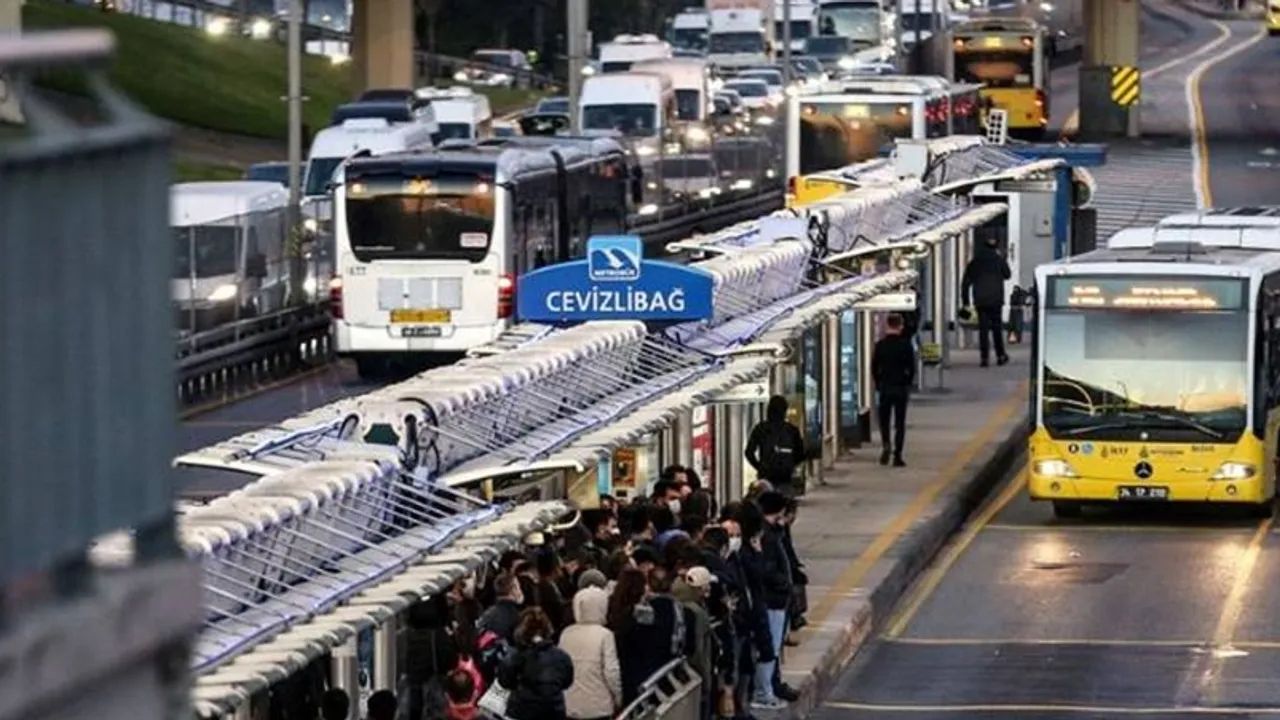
[1003, 65]
[447, 217]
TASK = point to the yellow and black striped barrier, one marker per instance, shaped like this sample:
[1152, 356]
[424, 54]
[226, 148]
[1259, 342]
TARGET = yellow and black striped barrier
[1126, 85]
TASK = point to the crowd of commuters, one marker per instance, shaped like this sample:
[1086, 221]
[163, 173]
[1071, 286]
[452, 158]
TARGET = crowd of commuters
[573, 625]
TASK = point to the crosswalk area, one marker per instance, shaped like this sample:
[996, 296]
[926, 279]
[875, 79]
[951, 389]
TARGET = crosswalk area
[1142, 182]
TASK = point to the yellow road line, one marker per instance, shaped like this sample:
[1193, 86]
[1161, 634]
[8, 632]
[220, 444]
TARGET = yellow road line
[1233, 606]
[1199, 131]
[853, 574]
[961, 642]
[1052, 708]
[252, 392]
[935, 574]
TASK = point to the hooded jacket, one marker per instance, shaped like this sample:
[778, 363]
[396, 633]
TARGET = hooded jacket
[984, 278]
[537, 676]
[597, 677]
[775, 447]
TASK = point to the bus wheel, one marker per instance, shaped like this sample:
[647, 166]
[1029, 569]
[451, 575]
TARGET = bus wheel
[1067, 509]
[369, 368]
[1260, 511]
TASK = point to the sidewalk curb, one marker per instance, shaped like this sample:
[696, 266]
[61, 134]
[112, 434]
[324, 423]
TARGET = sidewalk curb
[914, 552]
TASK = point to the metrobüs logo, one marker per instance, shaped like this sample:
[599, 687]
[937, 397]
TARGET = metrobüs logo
[613, 258]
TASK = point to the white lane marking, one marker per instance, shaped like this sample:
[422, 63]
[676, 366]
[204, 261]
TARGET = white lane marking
[1195, 113]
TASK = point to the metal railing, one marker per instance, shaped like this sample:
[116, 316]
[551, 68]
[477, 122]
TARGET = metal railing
[433, 67]
[672, 692]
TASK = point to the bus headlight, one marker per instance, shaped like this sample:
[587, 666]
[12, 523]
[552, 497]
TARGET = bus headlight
[1232, 470]
[846, 63]
[1054, 468]
[764, 120]
[223, 293]
[697, 134]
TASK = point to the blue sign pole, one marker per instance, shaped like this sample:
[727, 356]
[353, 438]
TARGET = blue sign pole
[615, 282]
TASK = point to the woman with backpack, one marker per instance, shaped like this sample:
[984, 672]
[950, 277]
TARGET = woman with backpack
[538, 672]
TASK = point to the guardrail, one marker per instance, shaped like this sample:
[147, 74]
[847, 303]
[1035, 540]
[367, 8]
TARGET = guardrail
[672, 692]
[434, 66]
[223, 361]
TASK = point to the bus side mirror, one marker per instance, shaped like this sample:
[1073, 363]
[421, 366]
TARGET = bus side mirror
[255, 266]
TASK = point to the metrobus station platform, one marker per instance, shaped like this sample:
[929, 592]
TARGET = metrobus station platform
[867, 530]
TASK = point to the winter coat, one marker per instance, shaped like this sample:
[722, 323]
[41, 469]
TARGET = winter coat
[777, 572]
[984, 278]
[537, 676]
[597, 676]
[501, 619]
[651, 637]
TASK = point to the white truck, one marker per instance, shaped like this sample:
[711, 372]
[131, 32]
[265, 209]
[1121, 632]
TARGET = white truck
[689, 29]
[804, 22]
[741, 32]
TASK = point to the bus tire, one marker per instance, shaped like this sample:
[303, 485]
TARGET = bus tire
[1260, 511]
[368, 368]
[1067, 509]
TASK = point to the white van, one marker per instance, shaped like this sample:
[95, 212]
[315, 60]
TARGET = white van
[460, 114]
[229, 243]
[334, 144]
[626, 50]
[690, 80]
[638, 106]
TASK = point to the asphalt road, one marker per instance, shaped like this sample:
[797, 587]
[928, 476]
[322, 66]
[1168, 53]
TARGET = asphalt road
[1156, 612]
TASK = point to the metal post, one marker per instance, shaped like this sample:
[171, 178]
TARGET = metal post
[294, 100]
[682, 431]
[831, 391]
[385, 672]
[937, 280]
[735, 468]
[866, 388]
[786, 44]
[915, 49]
[577, 12]
[344, 671]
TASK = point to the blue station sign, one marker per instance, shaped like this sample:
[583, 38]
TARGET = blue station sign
[614, 282]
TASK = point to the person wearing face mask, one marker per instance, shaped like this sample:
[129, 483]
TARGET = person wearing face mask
[983, 283]
[777, 580]
[666, 493]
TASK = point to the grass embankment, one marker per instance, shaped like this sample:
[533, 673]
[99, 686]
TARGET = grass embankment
[229, 84]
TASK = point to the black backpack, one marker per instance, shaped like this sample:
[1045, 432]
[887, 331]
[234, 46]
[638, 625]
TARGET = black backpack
[779, 455]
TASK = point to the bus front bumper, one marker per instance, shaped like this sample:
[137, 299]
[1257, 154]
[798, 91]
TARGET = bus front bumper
[1086, 489]
[349, 339]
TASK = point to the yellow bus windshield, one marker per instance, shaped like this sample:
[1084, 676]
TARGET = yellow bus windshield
[835, 134]
[1132, 359]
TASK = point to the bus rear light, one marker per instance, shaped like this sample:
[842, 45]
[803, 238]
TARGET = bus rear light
[335, 298]
[1040, 98]
[506, 296]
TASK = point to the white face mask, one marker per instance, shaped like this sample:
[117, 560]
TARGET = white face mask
[674, 506]
[735, 544]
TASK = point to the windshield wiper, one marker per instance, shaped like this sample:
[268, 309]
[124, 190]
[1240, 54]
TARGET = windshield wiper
[1180, 419]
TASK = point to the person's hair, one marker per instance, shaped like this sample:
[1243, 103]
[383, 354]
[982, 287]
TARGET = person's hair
[716, 538]
[508, 559]
[730, 510]
[629, 591]
[505, 584]
[893, 320]
[750, 519]
[661, 580]
[522, 567]
[673, 551]
[464, 635]
[693, 525]
[547, 561]
[643, 554]
[593, 520]
[335, 704]
[663, 519]
[633, 519]
[382, 705]
[668, 475]
[772, 502]
[429, 614]
[700, 503]
[534, 624]
[460, 687]
[615, 564]
[695, 480]
[662, 487]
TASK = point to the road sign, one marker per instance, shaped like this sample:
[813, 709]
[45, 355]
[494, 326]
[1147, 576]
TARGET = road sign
[745, 393]
[1126, 85]
[889, 302]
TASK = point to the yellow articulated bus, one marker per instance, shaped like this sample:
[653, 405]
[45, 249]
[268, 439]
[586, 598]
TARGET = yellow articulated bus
[1273, 17]
[1157, 366]
[1007, 56]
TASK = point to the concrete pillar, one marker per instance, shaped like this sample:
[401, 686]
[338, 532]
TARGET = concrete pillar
[382, 43]
[10, 22]
[1112, 30]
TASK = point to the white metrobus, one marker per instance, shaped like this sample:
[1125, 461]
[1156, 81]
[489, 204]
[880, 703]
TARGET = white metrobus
[429, 244]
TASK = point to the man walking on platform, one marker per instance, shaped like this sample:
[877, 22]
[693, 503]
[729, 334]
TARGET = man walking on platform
[983, 283]
[893, 367]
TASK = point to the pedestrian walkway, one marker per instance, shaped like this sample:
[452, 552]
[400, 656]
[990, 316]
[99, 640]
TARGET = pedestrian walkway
[866, 532]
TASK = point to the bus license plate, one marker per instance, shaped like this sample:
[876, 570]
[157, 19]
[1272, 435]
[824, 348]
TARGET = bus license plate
[1143, 492]
[421, 331]
[404, 315]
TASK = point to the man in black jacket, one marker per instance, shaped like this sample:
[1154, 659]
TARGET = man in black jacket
[893, 367]
[776, 581]
[983, 283]
[775, 447]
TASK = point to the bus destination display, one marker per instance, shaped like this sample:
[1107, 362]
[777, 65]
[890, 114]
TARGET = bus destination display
[1147, 293]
